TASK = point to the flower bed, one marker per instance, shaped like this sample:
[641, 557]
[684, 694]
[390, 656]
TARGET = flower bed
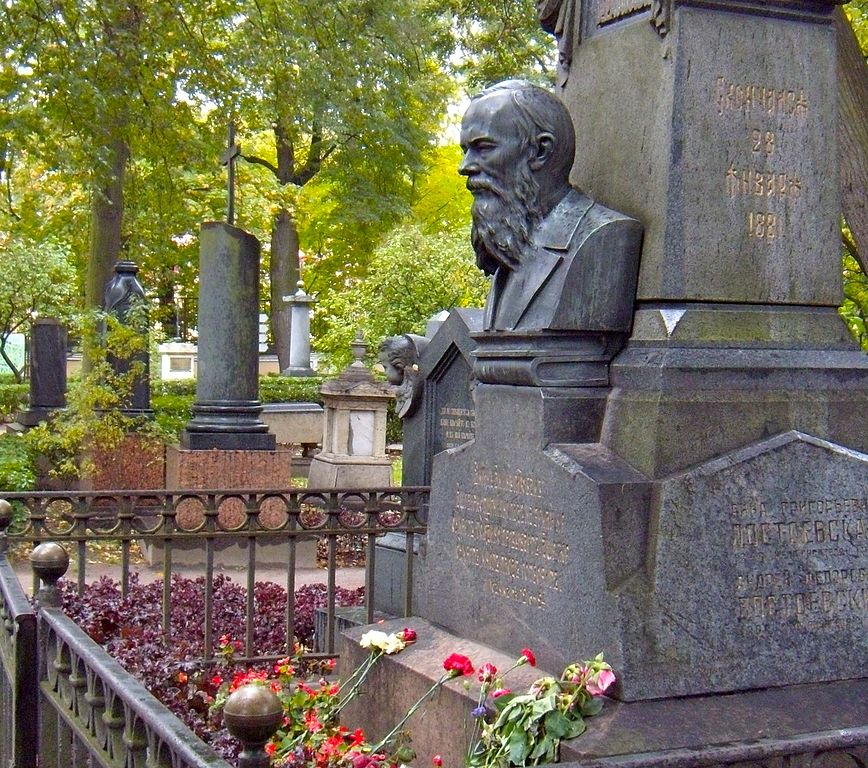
[511, 729]
[130, 629]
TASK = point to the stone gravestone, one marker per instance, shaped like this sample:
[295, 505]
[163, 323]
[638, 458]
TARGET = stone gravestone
[47, 371]
[226, 445]
[689, 498]
[446, 419]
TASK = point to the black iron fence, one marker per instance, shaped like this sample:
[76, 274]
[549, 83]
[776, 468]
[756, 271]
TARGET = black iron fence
[63, 700]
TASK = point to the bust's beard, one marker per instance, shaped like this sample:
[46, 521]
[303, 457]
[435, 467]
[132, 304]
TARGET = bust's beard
[504, 220]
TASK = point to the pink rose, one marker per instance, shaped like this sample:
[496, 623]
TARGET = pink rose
[598, 686]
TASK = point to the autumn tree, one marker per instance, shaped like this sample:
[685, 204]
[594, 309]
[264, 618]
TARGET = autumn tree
[352, 92]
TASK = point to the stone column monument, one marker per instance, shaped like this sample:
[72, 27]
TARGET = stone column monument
[227, 407]
[299, 340]
[226, 444]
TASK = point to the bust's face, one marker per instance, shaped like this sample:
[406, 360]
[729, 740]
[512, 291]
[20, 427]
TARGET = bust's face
[394, 374]
[491, 141]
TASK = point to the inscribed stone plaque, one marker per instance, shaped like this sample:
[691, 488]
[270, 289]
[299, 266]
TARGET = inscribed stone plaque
[753, 131]
[723, 150]
[761, 567]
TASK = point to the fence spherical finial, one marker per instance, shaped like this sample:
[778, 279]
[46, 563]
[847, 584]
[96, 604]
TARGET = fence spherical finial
[252, 715]
[5, 514]
[49, 562]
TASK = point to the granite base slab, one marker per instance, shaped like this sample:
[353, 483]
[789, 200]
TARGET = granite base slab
[821, 725]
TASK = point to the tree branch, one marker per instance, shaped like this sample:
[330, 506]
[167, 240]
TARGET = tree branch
[260, 161]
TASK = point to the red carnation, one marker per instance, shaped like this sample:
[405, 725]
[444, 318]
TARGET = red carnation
[487, 673]
[527, 654]
[408, 635]
[457, 665]
[437, 760]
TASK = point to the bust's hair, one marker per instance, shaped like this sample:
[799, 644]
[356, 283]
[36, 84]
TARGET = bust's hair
[538, 111]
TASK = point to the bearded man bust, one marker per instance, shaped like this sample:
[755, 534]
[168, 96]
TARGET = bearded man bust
[560, 261]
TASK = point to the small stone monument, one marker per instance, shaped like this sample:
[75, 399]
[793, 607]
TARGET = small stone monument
[446, 418]
[47, 371]
[354, 429]
[299, 336]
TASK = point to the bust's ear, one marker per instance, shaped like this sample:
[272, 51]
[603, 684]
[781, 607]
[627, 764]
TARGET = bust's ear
[545, 146]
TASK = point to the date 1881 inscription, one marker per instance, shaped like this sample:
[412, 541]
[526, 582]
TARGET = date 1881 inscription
[801, 561]
[504, 529]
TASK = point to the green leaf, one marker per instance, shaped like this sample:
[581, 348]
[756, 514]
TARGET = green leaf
[577, 727]
[544, 705]
[557, 724]
[519, 747]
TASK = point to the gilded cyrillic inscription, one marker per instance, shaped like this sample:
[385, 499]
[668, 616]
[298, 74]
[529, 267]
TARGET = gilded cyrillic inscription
[457, 425]
[774, 115]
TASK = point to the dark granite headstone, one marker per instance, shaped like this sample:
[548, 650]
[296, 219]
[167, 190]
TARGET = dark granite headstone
[227, 407]
[47, 371]
[447, 417]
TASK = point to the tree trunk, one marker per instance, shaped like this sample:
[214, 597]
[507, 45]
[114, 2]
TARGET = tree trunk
[853, 134]
[107, 212]
[284, 277]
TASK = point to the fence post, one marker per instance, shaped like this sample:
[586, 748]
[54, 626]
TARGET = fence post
[20, 688]
[49, 562]
[251, 714]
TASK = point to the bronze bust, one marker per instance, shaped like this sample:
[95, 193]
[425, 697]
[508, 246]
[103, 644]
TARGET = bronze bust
[559, 260]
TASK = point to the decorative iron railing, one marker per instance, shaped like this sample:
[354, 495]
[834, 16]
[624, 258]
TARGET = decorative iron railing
[166, 521]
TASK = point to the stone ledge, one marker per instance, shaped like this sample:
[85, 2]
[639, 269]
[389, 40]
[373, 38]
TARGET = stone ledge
[822, 725]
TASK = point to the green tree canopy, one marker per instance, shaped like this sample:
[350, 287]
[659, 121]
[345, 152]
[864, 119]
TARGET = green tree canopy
[36, 278]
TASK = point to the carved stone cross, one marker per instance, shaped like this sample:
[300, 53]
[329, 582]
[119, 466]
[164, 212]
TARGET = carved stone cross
[228, 158]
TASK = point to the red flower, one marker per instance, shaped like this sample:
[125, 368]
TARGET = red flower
[311, 721]
[437, 760]
[217, 680]
[270, 748]
[528, 656]
[408, 635]
[487, 673]
[457, 665]
[500, 692]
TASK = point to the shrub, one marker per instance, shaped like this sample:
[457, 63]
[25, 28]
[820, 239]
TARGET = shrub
[17, 472]
[13, 397]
